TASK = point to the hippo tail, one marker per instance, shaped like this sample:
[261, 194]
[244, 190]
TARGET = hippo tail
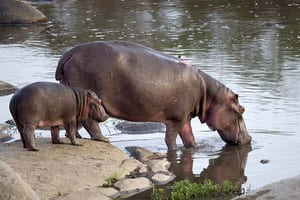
[59, 74]
[13, 105]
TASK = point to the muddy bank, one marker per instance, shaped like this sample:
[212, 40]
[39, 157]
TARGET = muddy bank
[58, 170]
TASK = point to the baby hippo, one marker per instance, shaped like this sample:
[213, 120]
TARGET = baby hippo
[45, 104]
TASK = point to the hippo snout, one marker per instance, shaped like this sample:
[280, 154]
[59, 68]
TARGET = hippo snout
[244, 138]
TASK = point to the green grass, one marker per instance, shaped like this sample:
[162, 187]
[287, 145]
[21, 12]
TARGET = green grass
[112, 179]
[185, 190]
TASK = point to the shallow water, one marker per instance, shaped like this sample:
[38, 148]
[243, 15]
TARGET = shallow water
[253, 47]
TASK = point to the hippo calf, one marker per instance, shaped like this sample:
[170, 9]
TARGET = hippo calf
[51, 104]
[137, 83]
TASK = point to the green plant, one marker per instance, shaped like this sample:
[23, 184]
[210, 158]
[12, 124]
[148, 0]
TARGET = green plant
[158, 194]
[112, 179]
[230, 188]
[184, 190]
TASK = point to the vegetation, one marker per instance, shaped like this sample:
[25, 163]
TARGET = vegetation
[185, 190]
[112, 179]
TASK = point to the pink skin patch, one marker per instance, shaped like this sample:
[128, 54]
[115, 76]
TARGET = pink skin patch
[185, 62]
[50, 123]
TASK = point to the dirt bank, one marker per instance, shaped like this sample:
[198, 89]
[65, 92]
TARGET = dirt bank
[56, 170]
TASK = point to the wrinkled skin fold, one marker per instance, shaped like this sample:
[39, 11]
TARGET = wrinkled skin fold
[137, 83]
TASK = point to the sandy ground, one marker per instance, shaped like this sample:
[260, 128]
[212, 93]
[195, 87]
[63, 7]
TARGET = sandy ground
[59, 169]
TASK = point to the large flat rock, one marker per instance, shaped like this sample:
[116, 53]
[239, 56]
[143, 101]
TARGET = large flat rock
[19, 12]
[6, 88]
[284, 189]
[60, 170]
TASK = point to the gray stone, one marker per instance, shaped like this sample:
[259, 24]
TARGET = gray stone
[158, 165]
[126, 167]
[264, 161]
[109, 192]
[12, 186]
[143, 154]
[6, 88]
[161, 178]
[143, 169]
[131, 186]
[284, 189]
[19, 12]
[4, 137]
[140, 127]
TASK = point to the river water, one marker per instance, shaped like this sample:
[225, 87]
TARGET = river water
[253, 47]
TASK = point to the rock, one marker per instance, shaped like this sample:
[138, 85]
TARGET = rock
[158, 165]
[6, 88]
[90, 194]
[109, 192]
[19, 12]
[4, 137]
[131, 186]
[264, 161]
[126, 167]
[12, 186]
[58, 170]
[284, 189]
[143, 169]
[140, 127]
[161, 178]
[143, 154]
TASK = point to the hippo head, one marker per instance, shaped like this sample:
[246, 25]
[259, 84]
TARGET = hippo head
[225, 115]
[96, 110]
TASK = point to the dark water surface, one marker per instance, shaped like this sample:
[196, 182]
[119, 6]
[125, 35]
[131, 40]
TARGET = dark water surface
[253, 47]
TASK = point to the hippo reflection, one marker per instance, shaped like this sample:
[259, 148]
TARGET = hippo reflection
[230, 165]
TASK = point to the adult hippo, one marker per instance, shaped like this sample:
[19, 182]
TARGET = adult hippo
[137, 83]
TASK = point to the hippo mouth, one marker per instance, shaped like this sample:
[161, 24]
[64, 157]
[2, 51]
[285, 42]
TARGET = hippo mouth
[236, 139]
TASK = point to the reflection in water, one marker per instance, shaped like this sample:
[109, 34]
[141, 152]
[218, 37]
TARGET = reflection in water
[10, 34]
[229, 165]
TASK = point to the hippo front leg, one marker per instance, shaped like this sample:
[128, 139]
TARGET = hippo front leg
[71, 129]
[93, 129]
[187, 136]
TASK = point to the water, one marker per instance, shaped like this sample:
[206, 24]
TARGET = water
[253, 47]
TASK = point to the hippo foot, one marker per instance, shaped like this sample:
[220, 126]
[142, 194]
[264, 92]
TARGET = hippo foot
[101, 138]
[58, 142]
[77, 144]
[77, 135]
[33, 149]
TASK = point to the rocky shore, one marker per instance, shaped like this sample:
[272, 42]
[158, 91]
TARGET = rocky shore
[79, 172]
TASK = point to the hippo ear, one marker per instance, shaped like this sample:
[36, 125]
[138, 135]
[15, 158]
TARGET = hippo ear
[92, 95]
[235, 106]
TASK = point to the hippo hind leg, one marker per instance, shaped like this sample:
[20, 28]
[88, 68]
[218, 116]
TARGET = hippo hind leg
[93, 129]
[27, 136]
[172, 131]
[55, 135]
[20, 129]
